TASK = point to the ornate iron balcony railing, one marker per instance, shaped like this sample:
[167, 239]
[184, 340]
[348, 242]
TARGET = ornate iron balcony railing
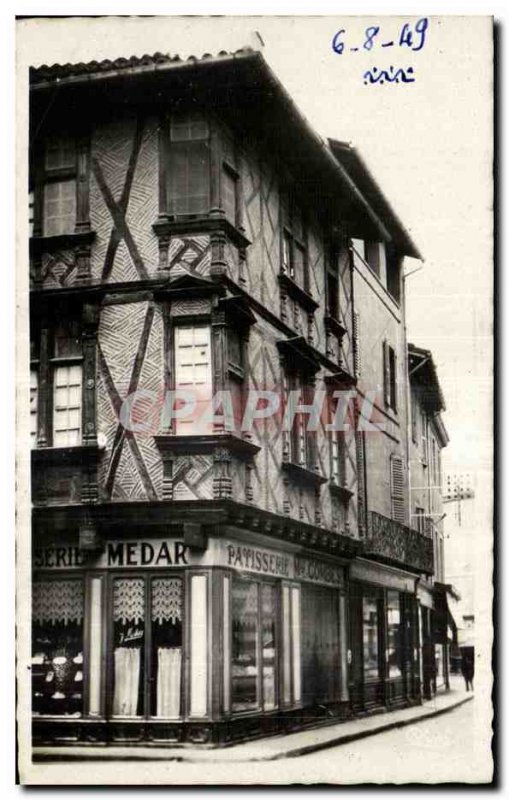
[398, 544]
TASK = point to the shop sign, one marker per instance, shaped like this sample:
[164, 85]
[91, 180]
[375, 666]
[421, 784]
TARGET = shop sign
[143, 553]
[281, 565]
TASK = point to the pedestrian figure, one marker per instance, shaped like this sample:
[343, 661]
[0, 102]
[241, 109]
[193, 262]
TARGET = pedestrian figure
[467, 669]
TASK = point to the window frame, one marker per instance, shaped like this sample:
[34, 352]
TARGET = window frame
[148, 576]
[276, 587]
[291, 240]
[299, 435]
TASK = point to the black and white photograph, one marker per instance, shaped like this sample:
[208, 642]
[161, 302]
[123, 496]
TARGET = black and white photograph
[254, 360]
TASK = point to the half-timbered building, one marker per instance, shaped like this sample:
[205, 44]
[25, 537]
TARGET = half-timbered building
[199, 578]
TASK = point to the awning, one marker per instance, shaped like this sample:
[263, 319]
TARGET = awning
[445, 630]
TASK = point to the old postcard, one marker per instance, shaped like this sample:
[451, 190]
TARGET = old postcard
[254, 370]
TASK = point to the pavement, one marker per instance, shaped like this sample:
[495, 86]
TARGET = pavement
[274, 747]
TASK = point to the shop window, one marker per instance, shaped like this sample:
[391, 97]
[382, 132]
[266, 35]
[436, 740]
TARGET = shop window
[245, 645]
[394, 651]
[166, 637]
[193, 372]
[189, 173]
[57, 647]
[370, 627]
[59, 192]
[253, 645]
[291, 641]
[135, 612]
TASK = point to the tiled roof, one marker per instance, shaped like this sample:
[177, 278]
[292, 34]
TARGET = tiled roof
[57, 72]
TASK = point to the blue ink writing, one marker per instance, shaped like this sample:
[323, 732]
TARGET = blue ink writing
[371, 32]
[381, 76]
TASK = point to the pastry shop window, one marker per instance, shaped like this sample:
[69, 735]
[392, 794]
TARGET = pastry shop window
[57, 647]
[254, 645]
[147, 641]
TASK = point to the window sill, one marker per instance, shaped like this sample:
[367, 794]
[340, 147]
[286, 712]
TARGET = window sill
[302, 474]
[298, 354]
[174, 444]
[297, 293]
[333, 325]
[339, 491]
[46, 244]
[200, 223]
[71, 454]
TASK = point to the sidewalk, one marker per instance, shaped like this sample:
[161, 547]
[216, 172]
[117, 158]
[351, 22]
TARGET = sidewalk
[272, 748]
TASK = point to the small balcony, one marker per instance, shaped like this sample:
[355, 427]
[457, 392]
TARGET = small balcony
[396, 544]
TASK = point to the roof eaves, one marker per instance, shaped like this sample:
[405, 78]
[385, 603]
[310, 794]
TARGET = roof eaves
[394, 222]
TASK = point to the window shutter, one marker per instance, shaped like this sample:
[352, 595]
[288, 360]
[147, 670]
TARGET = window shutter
[398, 488]
[394, 381]
[387, 376]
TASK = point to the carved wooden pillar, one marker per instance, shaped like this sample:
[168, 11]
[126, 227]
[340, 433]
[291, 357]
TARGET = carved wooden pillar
[222, 474]
[82, 265]
[89, 340]
[44, 397]
[219, 357]
[218, 265]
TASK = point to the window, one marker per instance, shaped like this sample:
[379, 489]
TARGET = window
[34, 379]
[424, 438]
[254, 669]
[229, 181]
[413, 411]
[370, 636]
[372, 256]
[136, 610]
[420, 520]
[333, 292]
[193, 372]
[67, 384]
[57, 647]
[301, 440]
[338, 460]
[294, 253]
[189, 173]
[394, 644]
[59, 191]
[67, 405]
[390, 377]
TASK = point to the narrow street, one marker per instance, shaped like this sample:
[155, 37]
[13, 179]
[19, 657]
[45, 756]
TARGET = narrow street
[438, 750]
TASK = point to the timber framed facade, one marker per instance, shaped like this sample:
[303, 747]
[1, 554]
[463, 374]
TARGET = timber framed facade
[202, 585]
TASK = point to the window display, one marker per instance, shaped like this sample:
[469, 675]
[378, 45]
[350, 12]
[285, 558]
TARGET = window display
[394, 645]
[245, 635]
[166, 618]
[57, 647]
[128, 646]
[269, 614]
[370, 636]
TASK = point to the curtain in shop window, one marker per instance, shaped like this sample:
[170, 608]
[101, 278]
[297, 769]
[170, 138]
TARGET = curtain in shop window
[127, 679]
[169, 660]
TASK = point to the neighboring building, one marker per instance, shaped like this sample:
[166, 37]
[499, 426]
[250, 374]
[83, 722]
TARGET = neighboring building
[460, 525]
[201, 583]
[428, 437]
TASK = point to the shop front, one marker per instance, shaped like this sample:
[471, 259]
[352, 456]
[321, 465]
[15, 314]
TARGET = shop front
[149, 641]
[384, 637]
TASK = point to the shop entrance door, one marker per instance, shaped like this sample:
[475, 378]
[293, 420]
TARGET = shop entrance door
[320, 646]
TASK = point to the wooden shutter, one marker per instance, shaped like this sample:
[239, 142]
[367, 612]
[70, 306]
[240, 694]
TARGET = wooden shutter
[398, 488]
[387, 375]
